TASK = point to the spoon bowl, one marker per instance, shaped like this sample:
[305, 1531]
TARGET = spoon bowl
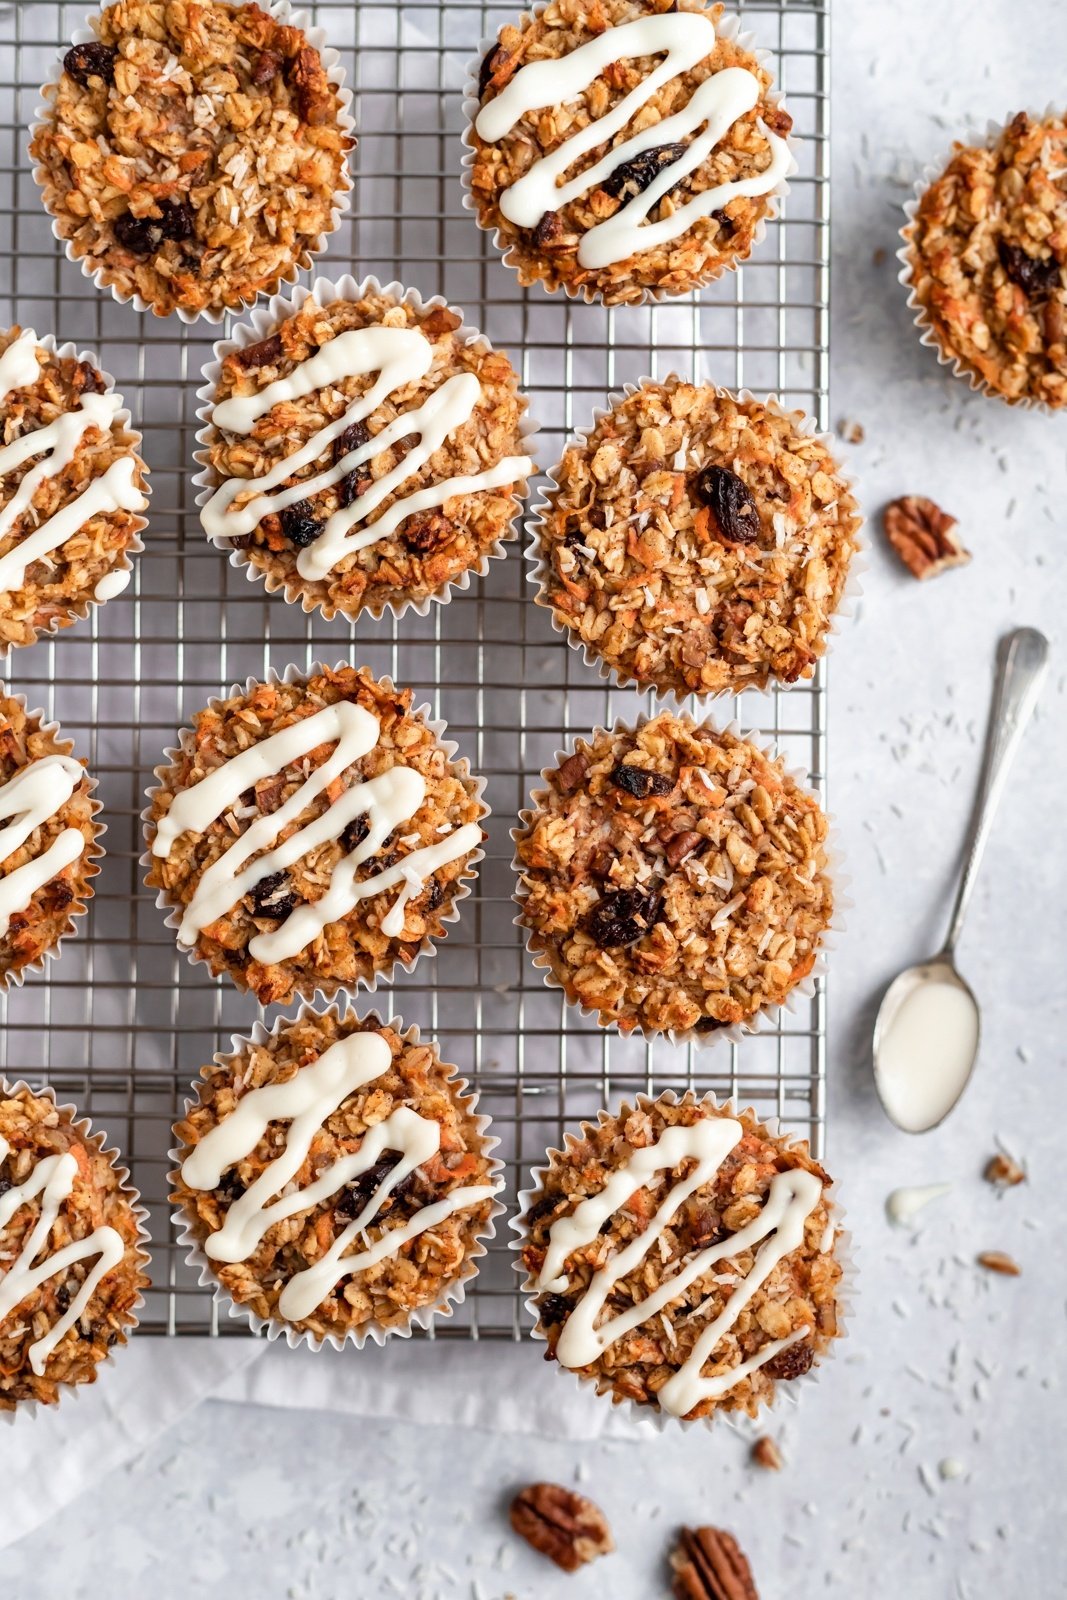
[926, 1038]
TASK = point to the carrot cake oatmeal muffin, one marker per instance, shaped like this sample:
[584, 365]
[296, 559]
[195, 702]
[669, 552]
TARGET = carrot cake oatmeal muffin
[674, 142]
[682, 1256]
[672, 877]
[192, 153]
[71, 1256]
[334, 1177]
[366, 453]
[48, 838]
[697, 542]
[71, 485]
[986, 259]
[310, 834]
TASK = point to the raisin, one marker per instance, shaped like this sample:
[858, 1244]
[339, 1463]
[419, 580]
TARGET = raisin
[5, 1185]
[272, 896]
[709, 1024]
[265, 353]
[634, 177]
[554, 1310]
[428, 531]
[87, 61]
[731, 503]
[62, 893]
[356, 1195]
[87, 380]
[726, 226]
[623, 916]
[355, 435]
[434, 896]
[230, 1186]
[241, 541]
[541, 1208]
[62, 1298]
[265, 67]
[639, 782]
[792, 1362]
[493, 60]
[299, 526]
[354, 833]
[142, 236]
[1036, 278]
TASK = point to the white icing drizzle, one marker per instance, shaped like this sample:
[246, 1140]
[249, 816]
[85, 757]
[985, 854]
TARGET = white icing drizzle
[112, 583]
[53, 1179]
[18, 364]
[34, 794]
[387, 800]
[790, 1200]
[684, 39]
[114, 490]
[399, 356]
[306, 1101]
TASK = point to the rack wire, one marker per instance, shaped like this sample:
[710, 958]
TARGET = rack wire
[122, 1022]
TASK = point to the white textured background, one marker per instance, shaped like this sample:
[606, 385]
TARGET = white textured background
[943, 1361]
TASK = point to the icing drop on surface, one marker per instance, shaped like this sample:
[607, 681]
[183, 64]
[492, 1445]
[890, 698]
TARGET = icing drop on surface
[57, 443]
[18, 364]
[387, 801]
[791, 1198]
[307, 1101]
[399, 356]
[903, 1205]
[52, 1178]
[112, 583]
[684, 39]
[34, 794]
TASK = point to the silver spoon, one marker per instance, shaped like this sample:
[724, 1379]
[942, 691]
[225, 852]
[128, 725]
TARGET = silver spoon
[927, 1030]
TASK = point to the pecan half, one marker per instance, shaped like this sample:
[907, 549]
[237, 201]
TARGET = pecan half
[266, 353]
[923, 536]
[682, 844]
[266, 64]
[710, 1565]
[564, 1526]
[569, 773]
[438, 321]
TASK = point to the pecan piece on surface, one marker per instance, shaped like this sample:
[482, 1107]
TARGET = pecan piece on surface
[765, 1453]
[997, 1261]
[710, 1565]
[564, 1526]
[923, 536]
[1003, 1171]
[427, 531]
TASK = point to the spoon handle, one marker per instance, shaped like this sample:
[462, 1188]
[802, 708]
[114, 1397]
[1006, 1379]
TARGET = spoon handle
[1023, 664]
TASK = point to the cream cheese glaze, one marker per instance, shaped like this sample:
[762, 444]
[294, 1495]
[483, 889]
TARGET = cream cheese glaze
[31, 797]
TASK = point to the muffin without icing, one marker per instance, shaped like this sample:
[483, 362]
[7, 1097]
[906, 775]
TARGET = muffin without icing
[673, 878]
[697, 542]
[56, 1327]
[191, 154]
[344, 544]
[618, 229]
[735, 1203]
[378, 826]
[395, 1131]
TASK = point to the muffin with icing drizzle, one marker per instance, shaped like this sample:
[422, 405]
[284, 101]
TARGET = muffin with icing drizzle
[334, 1179]
[72, 485]
[49, 836]
[683, 1257]
[627, 150]
[71, 1249]
[673, 879]
[311, 832]
[363, 450]
[697, 542]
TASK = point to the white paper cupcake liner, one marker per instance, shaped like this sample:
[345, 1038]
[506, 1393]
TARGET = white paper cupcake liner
[292, 674]
[281, 11]
[928, 334]
[653, 1415]
[377, 1333]
[728, 28]
[768, 1018]
[539, 571]
[79, 611]
[263, 322]
[92, 855]
[9, 1088]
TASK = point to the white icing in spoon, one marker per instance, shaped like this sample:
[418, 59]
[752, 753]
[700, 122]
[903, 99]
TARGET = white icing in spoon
[387, 801]
[399, 356]
[52, 1179]
[19, 366]
[306, 1101]
[684, 39]
[790, 1200]
[904, 1205]
[34, 794]
[926, 1048]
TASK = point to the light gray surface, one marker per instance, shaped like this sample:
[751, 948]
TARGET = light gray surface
[943, 1361]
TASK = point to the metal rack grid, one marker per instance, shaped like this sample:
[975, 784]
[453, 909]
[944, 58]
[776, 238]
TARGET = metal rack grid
[122, 1022]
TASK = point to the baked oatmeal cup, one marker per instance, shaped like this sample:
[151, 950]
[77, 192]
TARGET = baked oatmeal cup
[49, 839]
[363, 450]
[683, 1258]
[664, 115]
[192, 153]
[695, 541]
[673, 879]
[72, 487]
[334, 1182]
[985, 261]
[72, 1254]
[310, 832]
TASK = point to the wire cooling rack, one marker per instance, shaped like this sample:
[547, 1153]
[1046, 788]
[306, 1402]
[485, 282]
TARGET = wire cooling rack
[122, 1023]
